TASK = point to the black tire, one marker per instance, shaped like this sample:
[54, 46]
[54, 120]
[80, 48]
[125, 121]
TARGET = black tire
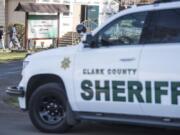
[48, 109]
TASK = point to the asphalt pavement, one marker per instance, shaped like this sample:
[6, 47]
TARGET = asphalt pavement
[15, 122]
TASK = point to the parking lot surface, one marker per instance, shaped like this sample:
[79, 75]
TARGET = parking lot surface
[15, 122]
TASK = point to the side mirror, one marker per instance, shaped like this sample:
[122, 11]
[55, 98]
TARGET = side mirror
[81, 28]
[88, 40]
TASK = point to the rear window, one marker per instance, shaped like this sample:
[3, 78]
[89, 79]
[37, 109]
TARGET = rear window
[162, 27]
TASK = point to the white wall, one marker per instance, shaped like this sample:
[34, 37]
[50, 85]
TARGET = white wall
[2, 12]
[16, 17]
[68, 23]
[107, 9]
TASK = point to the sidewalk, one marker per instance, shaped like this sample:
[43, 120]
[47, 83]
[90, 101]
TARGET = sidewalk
[6, 50]
[12, 50]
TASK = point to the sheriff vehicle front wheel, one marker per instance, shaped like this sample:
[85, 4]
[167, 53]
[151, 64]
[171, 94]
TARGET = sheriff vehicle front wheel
[48, 109]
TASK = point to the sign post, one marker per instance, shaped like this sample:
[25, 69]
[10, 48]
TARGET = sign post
[26, 30]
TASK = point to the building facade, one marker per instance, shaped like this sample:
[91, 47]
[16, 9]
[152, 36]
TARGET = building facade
[134, 2]
[2, 12]
[80, 10]
[90, 12]
[15, 17]
[9, 17]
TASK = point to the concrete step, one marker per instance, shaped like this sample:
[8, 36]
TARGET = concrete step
[69, 38]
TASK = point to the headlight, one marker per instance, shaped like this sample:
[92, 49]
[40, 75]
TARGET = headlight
[25, 63]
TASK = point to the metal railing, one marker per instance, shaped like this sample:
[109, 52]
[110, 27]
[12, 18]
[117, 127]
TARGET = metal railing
[90, 25]
[75, 38]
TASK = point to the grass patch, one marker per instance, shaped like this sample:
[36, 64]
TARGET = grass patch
[13, 101]
[12, 56]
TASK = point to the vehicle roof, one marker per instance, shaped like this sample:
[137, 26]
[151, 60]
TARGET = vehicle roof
[135, 9]
[155, 6]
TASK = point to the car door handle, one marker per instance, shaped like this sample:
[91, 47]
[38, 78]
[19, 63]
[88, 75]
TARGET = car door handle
[127, 59]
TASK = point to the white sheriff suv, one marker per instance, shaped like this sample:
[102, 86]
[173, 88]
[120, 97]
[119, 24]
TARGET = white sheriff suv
[127, 71]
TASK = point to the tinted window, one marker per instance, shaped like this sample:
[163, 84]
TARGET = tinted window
[124, 31]
[163, 27]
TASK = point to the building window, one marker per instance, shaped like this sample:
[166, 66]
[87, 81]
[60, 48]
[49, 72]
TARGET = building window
[67, 14]
[46, 1]
[57, 1]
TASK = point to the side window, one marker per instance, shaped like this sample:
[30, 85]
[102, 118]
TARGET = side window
[163, 27]
[124, 31]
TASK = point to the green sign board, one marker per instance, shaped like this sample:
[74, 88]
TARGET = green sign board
[42, 26]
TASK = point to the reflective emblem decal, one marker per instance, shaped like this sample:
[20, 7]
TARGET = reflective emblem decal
[65, 63]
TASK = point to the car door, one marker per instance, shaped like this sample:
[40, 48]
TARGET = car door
[159, 64]
[104, 73]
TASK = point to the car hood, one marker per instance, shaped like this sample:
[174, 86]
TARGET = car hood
[53, 53]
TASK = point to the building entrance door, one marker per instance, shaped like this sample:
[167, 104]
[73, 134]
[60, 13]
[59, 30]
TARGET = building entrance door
[90, 15]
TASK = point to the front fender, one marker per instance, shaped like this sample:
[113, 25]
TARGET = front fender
[53, 66]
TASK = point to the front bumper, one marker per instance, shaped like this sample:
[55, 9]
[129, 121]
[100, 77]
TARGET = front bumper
[15, 91]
